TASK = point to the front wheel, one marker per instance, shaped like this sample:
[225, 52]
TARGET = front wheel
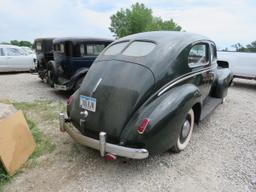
[185, 132]
[50, 80]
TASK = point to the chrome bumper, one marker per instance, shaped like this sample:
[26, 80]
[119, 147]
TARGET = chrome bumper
[60, 87]
[101, 144]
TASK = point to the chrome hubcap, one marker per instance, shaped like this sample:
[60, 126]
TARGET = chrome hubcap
[185, 129]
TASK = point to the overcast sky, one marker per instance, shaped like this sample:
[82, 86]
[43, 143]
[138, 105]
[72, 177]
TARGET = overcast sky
[224, 21]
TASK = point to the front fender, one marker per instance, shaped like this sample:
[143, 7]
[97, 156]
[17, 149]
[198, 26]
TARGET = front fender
[166, 114]
[78, 74]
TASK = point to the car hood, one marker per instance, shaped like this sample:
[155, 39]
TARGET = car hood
[119, 88]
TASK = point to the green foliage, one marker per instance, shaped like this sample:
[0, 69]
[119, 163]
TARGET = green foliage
[21, 43]
[138, 19]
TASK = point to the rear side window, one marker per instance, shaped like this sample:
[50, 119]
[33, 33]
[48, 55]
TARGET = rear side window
[94, 49]
[139, 48]
[13, 52]
[198, 55]
[116, 48]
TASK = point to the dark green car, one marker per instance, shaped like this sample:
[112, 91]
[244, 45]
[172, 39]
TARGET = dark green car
[145, 92]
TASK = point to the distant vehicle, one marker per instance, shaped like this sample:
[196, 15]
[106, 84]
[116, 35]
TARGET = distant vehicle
[242, 64]
[144, 93]
[44, 53]
[28, 50]
[14, 58]
[72, 59]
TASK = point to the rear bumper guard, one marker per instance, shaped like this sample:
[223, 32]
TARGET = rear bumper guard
[101, 144]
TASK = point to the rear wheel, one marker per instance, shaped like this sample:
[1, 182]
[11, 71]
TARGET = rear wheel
[185, 132]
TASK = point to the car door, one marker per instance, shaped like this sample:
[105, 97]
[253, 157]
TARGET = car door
[3, 60]
[17, 59]
[199, 60]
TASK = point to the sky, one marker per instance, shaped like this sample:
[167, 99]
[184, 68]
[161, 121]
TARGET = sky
[226, 22]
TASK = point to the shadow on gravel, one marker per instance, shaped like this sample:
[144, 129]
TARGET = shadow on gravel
[245, 84]
[14, 73]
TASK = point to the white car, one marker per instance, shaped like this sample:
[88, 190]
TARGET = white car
[13, 58]
[28, 50]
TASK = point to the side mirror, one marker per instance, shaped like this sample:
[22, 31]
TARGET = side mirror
[223, 64]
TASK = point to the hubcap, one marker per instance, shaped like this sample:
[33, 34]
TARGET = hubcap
[185, 129]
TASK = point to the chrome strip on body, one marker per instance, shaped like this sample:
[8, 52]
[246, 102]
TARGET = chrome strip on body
[184, 77]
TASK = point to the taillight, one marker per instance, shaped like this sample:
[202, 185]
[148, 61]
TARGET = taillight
[69, 101]
[143, 126]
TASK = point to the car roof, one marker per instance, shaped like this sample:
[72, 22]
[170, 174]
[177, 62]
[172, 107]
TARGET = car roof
[169, 45]
[45, 39]
[9, 46]
[166, 37]
[81, 39]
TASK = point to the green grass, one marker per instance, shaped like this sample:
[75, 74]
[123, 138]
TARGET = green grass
[47, 111]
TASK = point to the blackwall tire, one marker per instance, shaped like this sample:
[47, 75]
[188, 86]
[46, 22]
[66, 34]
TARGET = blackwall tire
[185, 132]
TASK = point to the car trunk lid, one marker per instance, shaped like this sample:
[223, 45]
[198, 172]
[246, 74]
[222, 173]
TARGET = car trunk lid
[119, 89]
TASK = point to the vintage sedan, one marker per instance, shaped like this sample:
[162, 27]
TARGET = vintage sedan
[144, 94]
[15, 59]
[73, 56]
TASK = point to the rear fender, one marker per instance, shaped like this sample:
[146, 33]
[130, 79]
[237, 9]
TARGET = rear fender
[166, 114]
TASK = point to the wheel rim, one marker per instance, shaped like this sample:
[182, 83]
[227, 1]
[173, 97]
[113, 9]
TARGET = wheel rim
[186, 131]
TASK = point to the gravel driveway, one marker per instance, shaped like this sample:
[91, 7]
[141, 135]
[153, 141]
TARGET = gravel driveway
[220, 157]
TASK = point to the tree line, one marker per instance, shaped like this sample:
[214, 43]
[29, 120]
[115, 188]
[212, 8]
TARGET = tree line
[248, 48]
[19, 43]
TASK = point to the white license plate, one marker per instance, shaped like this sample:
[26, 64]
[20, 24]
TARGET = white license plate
[88, 103]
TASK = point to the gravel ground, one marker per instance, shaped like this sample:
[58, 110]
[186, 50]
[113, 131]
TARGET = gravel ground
[27, 87]
[220, 157]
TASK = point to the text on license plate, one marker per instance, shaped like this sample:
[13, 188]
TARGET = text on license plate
[88, 103]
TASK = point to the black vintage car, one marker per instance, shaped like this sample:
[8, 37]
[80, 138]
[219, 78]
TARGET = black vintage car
[144, 94]
[72, 59]
[44, 53]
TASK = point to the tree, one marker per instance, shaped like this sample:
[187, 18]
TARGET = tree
[138, 19]
[21, 43]
[15, 42]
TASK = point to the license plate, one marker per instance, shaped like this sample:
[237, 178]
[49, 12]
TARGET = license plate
[88, 103]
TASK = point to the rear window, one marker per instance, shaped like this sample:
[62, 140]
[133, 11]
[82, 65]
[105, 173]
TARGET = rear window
[116, 48]
[38, 46]
[59, 48]
[139, 48]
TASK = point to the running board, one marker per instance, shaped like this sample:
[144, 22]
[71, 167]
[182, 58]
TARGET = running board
[210, 104]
